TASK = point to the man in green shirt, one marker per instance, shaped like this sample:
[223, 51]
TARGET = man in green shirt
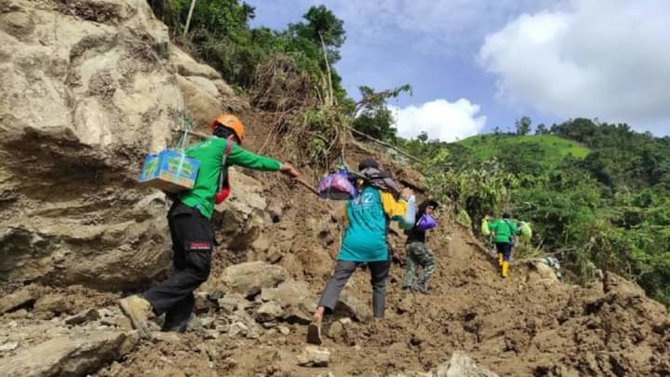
[504, 230]
[190, 227]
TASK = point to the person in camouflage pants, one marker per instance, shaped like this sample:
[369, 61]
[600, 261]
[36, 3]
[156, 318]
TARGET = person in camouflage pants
[418, 254]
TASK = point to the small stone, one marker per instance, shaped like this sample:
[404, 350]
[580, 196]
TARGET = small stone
[284, 330]
[19, 314]
[8, 346]
[269, 325]
[269, 311]
[52, 305]
[207, 322]
[405, 304]
[222, 327]
[231, 303]
[195, 324]
[105, 312]
[202, 302]
[211, 334]
[25, 296]
[169, 337]
[313, 356]
[461, 364]
[336, 331]
[238, 329]
[83, 317]
[121, 321]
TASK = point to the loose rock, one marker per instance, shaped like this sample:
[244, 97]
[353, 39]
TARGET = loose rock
[313, 356]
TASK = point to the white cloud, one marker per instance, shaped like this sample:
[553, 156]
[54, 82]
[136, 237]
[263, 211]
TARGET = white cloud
[440, 119]
[430, 26]
[592, 58]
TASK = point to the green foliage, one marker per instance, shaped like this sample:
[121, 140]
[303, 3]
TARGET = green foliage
[523, 125]
[220, 35]
[586, 207]
[372, 115]
[480, 192]
[596, 194]
[322, 27]
[541, 129]
[485, 147]
[327, 126]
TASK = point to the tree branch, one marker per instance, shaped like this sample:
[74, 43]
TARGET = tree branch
[357, 132]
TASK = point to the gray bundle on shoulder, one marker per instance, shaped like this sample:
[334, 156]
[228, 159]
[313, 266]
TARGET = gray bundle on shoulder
[382, 180]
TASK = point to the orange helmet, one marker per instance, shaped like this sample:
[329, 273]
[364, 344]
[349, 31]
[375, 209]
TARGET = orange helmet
[231, 122]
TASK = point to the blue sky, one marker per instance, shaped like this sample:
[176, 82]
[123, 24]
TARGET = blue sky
[479, 64]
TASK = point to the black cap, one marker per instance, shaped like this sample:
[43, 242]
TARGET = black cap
[368, 163]
[506, 215]
[427, 203]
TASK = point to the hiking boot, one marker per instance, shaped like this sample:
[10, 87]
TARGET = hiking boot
[179, 327]
[505, 269]
[314, 328]
[137, 309]
[314, 334]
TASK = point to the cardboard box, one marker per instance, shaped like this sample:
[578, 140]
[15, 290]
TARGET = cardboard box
[169, 171]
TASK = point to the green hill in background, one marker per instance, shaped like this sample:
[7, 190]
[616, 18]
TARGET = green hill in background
[551, 148]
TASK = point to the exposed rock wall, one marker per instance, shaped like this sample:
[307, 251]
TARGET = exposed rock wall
[88, 88]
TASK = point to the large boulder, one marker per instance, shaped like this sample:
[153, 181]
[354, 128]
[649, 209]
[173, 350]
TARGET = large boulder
[296, 301]
[75, 354]
[248, 279]
[88, 88]
[239, 220]
[350, 306]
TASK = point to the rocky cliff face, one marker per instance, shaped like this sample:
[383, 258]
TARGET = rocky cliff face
[89, 87]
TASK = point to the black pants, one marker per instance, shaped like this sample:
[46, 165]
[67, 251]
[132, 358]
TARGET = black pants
[379, 272]
[192, 247]
[505, 249]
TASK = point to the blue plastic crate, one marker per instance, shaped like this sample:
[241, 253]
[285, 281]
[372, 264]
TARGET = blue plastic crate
[169, 171]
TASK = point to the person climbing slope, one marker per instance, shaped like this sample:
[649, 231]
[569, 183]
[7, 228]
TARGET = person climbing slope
[366, 222]
[190, 227]
[417, 252]
[503, 230]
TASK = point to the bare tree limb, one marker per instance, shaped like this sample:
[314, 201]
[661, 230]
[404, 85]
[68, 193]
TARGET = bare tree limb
[357, 132]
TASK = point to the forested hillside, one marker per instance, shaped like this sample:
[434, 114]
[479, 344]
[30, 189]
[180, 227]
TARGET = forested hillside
[596, 193]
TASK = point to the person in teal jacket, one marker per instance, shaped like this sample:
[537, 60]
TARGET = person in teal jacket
[503, 231]
[190, 227]
[364, 242]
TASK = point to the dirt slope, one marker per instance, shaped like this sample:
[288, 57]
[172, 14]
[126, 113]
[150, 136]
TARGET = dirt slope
[527, 325]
